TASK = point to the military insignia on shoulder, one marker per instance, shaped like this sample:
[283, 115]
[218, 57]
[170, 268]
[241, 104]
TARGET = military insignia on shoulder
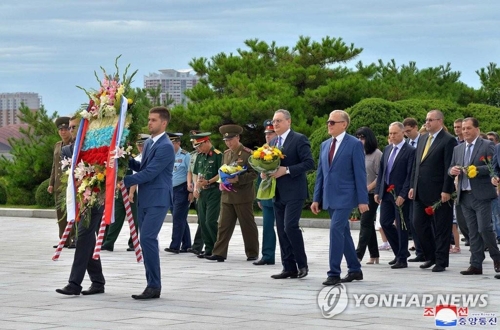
[250, 151]
[184, 152]
[217, 151]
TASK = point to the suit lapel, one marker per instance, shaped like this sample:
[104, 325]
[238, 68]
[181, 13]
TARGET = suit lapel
[150, 150]
[475, 151]
[434, 145]
[340, 149]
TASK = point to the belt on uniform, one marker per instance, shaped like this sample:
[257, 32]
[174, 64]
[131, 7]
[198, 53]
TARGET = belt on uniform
[210, 186]
[184, 184]
[466, 192]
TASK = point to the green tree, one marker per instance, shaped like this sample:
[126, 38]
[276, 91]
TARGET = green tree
[490, 81]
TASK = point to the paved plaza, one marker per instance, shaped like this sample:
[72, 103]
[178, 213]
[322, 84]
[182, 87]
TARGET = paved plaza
[200, 294]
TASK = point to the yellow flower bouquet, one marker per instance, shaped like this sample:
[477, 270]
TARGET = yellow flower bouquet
[267, 160]
[229, 172]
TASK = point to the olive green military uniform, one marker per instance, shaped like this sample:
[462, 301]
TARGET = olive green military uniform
[207, 165]
[198, 240]
[238, 205]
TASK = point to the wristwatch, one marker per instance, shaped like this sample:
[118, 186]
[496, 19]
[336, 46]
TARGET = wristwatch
[287, 170]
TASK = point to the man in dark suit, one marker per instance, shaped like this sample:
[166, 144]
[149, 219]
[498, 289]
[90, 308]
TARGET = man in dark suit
[430, 182]
[395, 169]
[341, 186]
[154, 177]
[288, 202]
[474, 194]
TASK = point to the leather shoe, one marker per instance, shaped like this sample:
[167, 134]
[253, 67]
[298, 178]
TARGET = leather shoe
[193, 251]
[417, 259]
[215, 257]
[438, 269]
[427, 264]
[263, 262]
[472, 271]
[332, 280]
[172, 250]
[251, 258]
[203, 255]
[352, 276]
[467, 243]
[93, 290]
[149, 293]
[130, 249]
[73, 246]
[497, 276]
[69, 291]
[303, 272]
[496, 265]
[393, 261]
[399, 265]
[285, 274]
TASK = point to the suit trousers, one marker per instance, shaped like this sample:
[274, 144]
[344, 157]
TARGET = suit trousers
[208, 214]
[367, 234]
[268, 233]
[181, 235]
[62, 221]
[462, 224]
[150, 222]
[434, 231]
[396, 235]
[198, 239]
[418, 247]
[287, 215]
[341, 243]
[229, 213]
[495, 216]
[477, 215]
[82, 260]
[114, 229]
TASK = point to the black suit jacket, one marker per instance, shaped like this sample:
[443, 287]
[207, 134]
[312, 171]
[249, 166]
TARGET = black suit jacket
[430, 175]
[400, 175]
[298, 159]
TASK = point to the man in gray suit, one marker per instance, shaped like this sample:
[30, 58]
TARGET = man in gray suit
[474, 194]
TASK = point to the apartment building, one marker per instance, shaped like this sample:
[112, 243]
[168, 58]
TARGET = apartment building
[10, 103]
[173, 84]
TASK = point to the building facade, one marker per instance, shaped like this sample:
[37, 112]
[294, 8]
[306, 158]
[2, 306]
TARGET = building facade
[10, 104]
[173, 84]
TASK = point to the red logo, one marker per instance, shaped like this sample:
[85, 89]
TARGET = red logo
[428, 311]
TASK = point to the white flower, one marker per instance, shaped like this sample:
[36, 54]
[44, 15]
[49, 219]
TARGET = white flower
[66, 162]
[80, 171]
[119, 153]
[86, 115]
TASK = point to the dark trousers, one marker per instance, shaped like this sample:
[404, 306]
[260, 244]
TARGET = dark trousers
[341, 243]
[181, 235]
[397, 236]
[62, 221]
[434, 231]
[418, 247]
[208, 214]
[367, 234]
[198, 239]
[287, 215]
[82, 261]
[462, 224]
[113, 230]
[268, 233]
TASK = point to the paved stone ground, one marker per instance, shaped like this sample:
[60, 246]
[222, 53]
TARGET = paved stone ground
[199, 294]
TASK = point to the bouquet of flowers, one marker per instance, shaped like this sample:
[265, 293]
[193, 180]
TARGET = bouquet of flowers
[487, 161]
[430, 210]
[267, 160]
[229, 172]
[391, 190]
[470, 171]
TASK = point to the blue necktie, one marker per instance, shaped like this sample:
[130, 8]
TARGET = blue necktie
[389, 164]
[279, 142]
[465, 178]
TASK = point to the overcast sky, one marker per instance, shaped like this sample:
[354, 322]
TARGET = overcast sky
[50, 46]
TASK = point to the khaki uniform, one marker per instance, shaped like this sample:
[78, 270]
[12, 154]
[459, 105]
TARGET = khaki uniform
[238, 205]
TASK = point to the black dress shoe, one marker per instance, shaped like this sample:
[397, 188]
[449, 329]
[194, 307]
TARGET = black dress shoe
[251, 258]
[285, 274]
[263, 262]
[183, 251]
[467, 243]
[105, 248]
[149, 293]
[497, 276]
[201, 256]
[352, 276]
[172, 250]
[73, 246]
[215, 257]
[399, 265]
[496, 265]
[193, 251]
[130, 249]
[393, 261]
[417, 259]
[93, 290]
[427, 264]
[438, 269]
[69, 291]
[412, 248]
[332, 280]
[472, 271]
[303, 272]
[55, 246]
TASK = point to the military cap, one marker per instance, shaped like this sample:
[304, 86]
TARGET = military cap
[62, 122]
[142, 138]
[230, 131]
[174, 136]
[199, 138]
[268, 126]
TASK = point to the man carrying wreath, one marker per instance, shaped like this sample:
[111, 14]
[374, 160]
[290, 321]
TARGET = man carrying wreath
[237, 204]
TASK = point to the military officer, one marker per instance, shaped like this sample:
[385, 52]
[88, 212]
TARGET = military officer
[206, 168]
[197, 246]
[266, 205]
[237, 204]
[62, 124]
[181, 235]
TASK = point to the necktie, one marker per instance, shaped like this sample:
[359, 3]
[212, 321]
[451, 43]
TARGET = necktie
[389, 164]
[465, 178]
[412, 143]
[332, 151]
[427, 146]
[279, 141]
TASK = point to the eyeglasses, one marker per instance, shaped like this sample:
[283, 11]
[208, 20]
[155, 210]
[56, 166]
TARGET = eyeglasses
[360, 137]
[428, 120]
[333, 122]
[72, 127]
[277, 121]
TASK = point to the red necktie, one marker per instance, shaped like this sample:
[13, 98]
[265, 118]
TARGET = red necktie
[332, 151]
